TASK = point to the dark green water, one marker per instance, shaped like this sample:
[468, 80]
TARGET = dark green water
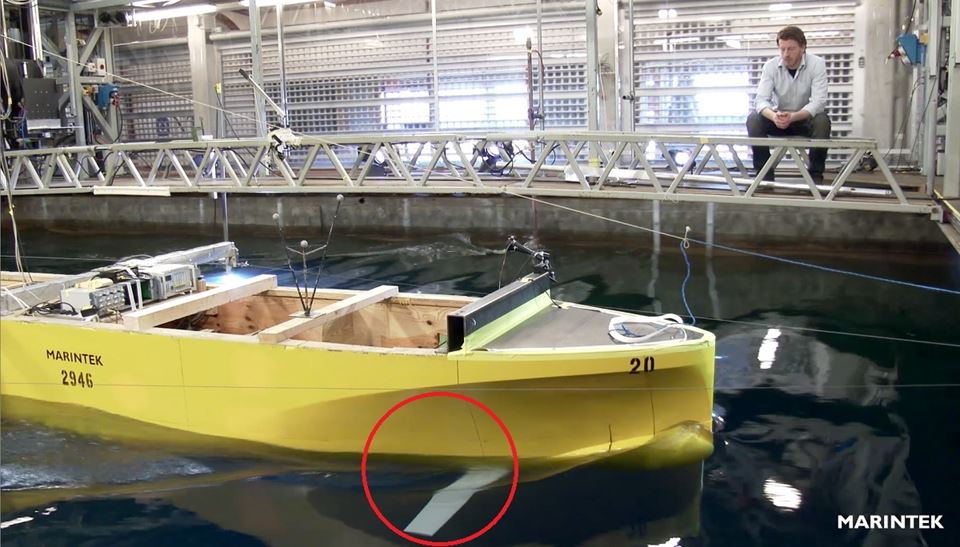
[837, 396]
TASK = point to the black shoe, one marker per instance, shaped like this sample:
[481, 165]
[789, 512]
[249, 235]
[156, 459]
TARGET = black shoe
[769, 177]
[817, 178]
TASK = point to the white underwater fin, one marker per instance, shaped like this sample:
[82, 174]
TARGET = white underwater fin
[447, 501]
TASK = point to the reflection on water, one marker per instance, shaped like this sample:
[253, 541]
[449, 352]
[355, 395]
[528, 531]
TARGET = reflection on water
[816, 424]
[51, 477]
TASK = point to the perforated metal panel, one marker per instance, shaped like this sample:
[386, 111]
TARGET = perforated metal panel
[483, 73]
[344, 82]
[696, 68]
[149, 114]
[382, 81]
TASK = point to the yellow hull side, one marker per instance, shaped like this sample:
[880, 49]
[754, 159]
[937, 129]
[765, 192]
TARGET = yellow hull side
[323, 398]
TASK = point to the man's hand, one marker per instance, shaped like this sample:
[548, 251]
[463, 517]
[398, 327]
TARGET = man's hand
[783, 119]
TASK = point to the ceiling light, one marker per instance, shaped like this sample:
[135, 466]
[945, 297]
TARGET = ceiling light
[140, 16]
[781, 7]
[153, 3]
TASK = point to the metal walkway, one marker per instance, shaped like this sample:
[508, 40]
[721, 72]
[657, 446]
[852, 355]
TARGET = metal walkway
[674, 167]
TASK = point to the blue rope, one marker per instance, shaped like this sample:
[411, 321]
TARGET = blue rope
[824, 268]
[683, 287]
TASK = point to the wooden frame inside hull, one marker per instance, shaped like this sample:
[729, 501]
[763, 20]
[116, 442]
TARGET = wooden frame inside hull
[386, 319]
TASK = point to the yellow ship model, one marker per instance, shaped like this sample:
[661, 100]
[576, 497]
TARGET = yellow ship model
[148, 340]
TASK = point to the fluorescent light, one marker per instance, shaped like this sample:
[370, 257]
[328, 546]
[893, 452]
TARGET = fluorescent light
[140, 16]
[781, 7]
[273, 3]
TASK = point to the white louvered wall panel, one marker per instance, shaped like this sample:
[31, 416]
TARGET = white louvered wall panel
[699, 71]
[382, 80]
[148, 114]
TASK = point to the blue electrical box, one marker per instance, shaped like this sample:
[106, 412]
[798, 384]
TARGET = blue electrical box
[911, 48]
[105, 93]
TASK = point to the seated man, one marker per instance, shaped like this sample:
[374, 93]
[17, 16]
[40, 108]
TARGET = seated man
[791, 100]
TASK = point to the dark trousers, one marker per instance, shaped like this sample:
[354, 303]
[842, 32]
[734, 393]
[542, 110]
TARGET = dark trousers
[817, 127]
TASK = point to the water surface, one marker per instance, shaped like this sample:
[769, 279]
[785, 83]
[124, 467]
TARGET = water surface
[837, 395]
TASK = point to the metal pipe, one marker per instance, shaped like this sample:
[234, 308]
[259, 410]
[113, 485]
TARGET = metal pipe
[543, 76]
[933, 76]
[403, 20]
[281, 113]
[283, 65]
[631, 125]
[3, 24]
[106, 45]
[226, 221]
[36, 40]
[160, 42]
[593, 121]
[436, 66]
[531, 117]
[256, 50]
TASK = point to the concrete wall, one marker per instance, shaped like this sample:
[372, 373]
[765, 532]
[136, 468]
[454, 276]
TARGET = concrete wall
[740, 225]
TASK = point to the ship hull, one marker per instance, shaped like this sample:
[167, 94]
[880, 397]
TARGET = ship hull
[559, 405]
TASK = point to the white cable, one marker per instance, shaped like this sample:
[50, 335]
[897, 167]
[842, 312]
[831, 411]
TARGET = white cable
[16, 236]
[665, 321]
[509, 192]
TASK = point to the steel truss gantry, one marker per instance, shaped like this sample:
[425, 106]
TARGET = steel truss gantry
[676, 167]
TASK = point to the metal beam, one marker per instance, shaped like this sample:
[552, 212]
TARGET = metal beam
[50, 46]
[98, 116]
[226, 163]
[607, 37]
[76, 90]
[92, 42]
[90, 5]
[400, 21]
[202, 73]
[951, 179]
